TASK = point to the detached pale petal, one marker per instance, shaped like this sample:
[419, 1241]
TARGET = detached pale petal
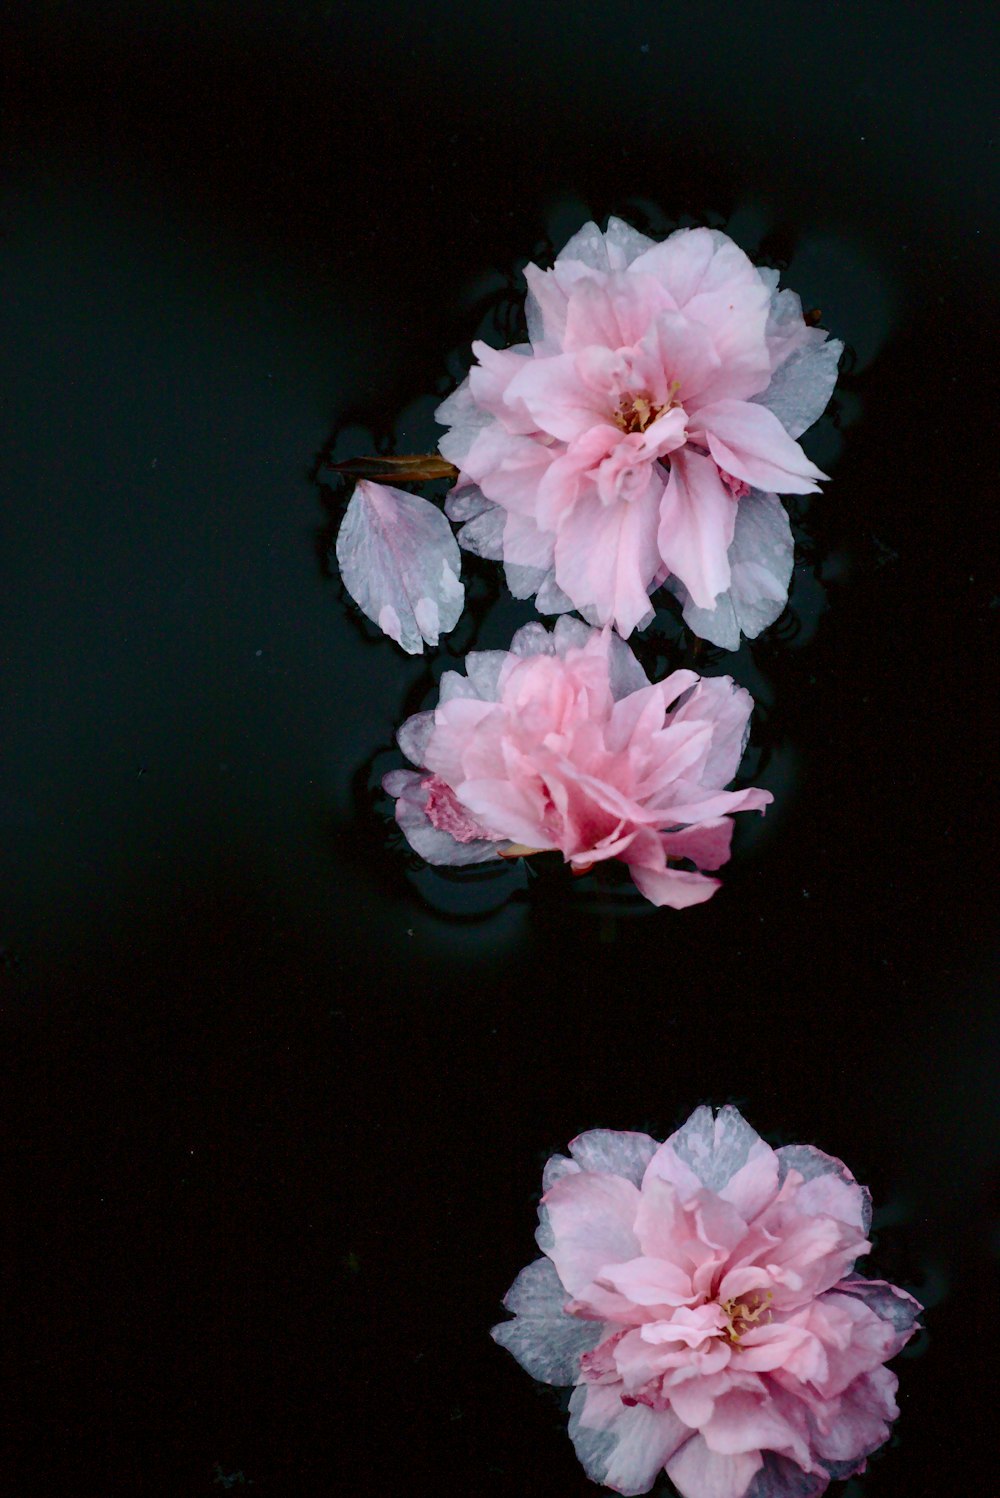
[400, 563]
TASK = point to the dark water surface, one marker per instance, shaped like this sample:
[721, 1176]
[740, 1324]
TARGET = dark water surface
[280, 1098]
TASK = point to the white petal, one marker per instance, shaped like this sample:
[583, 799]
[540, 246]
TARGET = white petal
[780, 1478]
[401, 565]
[532, 639]
[547, 1343]
[801, 387]
[412, 736]
[466, 503]
[550, 598]
[624, 243]
[570, 634]
[483, 536]
[760, 563]
[466, 420]
[524, 582]
[587, 245]
[624, 672]
[483, 669]
[714, 1148]
[614, 1152]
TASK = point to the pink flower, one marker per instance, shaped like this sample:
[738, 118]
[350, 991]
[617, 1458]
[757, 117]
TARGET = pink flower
[700, 1295]
[562, 743]
[660, 397]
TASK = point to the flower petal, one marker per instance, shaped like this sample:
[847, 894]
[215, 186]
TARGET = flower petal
[830, 1189]
[624, 1447]
[800, 389]
[546, 1342]
[722, 1153]
[400, 563]
[697, 1472]
[749, 442]
[697, 521]
[591, 1218]
[614, 1152]
[676, 888]
[557, 398]
[606, 556]
[434, 844]
[780, 1478]
[760, 563]
[708, 845]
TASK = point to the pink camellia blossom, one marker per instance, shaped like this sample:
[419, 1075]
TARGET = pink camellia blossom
[561, 743]
[701, 1296]
[654, 409]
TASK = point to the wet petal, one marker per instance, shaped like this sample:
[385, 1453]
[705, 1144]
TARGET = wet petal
[749, 442]
[623, 1447]
[760, 563]
[697, 521]
[400, 563]
[546, 1342]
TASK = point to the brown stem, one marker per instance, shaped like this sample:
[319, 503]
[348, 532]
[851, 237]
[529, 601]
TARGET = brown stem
[409, 467]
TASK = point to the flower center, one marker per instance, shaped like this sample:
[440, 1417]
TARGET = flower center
[636, 412]
[743, 1312]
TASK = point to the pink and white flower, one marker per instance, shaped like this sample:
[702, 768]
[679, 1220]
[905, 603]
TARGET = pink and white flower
[643, 433]
[701, 1296]
[561, 743]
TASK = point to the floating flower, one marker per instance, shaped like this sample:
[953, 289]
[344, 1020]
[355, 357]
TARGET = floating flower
[399, 561]
[561, 743]
[643, 433]
[700, 1295]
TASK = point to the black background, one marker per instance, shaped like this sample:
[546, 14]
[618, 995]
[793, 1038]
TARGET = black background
[278, 1099]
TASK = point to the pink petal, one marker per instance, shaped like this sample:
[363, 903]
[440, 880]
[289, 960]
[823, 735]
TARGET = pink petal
[811, 1163]
[686, 351]
[507, 810]
[508, 469]
[697, 520]
[606, 556]
[591, 1218]
[743, 1422]
[454, 723]
[673, 887]
[697, 1472]
[650, 1282]
[558, 400]
[749, 442]
[623, 1447]
[707, 845]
